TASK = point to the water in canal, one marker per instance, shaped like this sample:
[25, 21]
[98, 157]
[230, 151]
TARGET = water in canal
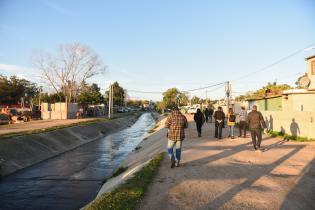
[71, 180]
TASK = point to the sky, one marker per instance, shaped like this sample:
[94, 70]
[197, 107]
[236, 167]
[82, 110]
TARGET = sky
[155, 45]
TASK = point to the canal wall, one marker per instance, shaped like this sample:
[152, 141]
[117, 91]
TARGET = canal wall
[20, 152]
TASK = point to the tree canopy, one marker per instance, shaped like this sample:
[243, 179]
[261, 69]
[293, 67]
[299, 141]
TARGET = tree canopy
[118, 94]
[271, 89]
[68, 69]
[90, 94]
[13, 89]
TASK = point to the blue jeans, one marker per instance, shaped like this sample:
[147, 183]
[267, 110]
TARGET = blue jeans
[170, 149]
[231, 130]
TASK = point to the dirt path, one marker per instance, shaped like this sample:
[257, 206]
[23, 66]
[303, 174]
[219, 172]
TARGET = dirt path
[227, 174]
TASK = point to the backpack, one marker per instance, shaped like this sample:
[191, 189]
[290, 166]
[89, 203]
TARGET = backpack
[232, 118]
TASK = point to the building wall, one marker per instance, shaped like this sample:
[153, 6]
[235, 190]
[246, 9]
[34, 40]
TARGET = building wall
[311, 72]
[58, 111]
[292, 119]
[269, 104]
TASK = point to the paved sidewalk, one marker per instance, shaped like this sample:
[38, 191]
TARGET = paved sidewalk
[228, 174]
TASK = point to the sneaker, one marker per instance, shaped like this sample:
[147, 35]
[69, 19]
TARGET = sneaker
[177, 163]
[232, 137]
[172, 163]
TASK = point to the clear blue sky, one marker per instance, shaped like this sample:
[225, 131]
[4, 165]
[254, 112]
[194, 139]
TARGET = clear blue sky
[155, 45]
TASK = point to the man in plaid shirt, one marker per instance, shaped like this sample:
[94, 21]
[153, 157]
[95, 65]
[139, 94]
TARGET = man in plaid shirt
[176, 123]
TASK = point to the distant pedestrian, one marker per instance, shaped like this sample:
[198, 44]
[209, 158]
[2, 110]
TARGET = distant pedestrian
[176, 123]
[219, 117]
[243, 124]
[256, 124]
[199, 120]
[231, 118]
[210, 114]
[206, 113]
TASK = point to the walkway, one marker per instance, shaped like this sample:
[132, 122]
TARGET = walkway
[227, 174]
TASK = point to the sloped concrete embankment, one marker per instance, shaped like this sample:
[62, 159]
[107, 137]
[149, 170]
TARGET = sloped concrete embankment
[152, 145]
[22, 151]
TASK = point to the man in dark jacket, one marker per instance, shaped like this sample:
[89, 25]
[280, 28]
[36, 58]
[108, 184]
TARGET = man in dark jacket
[256, 124]
[176, 123]
[200, 120]
[206, 114]
[219, 117]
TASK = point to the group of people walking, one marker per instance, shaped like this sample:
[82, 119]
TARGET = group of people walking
[177, 122]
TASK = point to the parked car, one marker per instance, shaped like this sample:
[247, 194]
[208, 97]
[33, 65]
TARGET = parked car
[192, 110]
[120, 110]
[4, 119]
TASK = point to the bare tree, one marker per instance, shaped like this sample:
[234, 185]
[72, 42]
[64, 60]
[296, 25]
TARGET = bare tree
[68, 69]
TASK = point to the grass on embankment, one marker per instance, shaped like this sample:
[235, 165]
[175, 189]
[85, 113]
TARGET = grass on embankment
[129, 194]
[88, 122]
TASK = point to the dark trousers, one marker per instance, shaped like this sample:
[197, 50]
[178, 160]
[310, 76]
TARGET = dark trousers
[199, 126]
[256, 137]
[207, 118]
[218, 129]
[242, 126]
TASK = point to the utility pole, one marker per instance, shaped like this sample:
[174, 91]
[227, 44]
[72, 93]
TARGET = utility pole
[110, 101]
[228, 89]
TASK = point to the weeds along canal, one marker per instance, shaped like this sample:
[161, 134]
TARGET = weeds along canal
[72, 179]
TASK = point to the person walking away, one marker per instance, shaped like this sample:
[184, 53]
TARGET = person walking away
[231, 117]
[210, 114]
[219, 117]
[256, 124]
[243, 124]
[175, 123]
[206, 113]
[199, 120]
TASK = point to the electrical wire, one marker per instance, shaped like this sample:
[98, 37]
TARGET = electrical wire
[275, 63]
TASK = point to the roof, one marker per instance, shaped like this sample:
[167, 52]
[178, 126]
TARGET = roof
[310, 57]
[260, 98]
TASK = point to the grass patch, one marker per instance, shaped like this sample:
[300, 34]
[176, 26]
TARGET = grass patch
[129, 194]
[119, 171]
[289, 137]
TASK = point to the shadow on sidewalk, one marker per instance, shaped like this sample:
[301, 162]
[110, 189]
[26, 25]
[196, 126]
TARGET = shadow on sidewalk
[263, 170]
[302, 196]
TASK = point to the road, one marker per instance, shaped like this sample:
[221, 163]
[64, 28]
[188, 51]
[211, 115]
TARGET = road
[71, 180]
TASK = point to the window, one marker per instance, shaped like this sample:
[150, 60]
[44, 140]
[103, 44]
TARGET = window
[301, 107]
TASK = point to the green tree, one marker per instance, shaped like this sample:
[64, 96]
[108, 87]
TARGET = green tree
[90, 94]
[118, 96]
[171, 97]
[195, 100]
[159, 106]
[13, 89]
[271, 89]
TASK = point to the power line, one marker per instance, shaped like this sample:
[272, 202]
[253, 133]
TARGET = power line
[206, 87]
[275, 63]
[146, 92]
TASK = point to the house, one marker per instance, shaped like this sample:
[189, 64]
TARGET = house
[292, 112]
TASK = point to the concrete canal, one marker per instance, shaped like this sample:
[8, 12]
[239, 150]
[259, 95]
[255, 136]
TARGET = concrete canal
[72, 179]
